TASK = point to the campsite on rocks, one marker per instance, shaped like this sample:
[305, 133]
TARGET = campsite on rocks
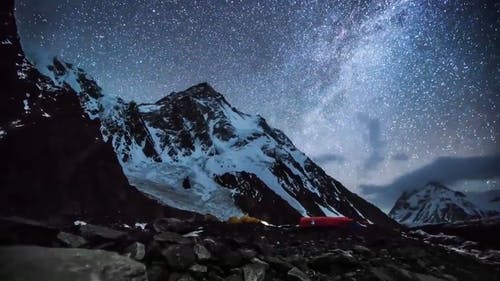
[98, 184]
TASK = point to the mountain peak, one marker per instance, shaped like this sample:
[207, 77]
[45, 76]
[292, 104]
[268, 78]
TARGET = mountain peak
[202, 91]
[433, 203]
[233, 162]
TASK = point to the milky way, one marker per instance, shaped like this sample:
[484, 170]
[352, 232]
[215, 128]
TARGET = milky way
[371, 90]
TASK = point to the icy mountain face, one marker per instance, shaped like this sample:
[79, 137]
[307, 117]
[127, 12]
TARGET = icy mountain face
[192, 150]
[434, 203]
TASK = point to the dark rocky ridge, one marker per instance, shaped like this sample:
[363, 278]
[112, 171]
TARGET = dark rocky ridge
[54, 161]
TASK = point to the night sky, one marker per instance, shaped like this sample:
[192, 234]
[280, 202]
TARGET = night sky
[373, 91]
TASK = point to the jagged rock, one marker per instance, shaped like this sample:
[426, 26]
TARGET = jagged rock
[279, 264]
[255, 271]
[247, 254]
[136, 250]
[201, 252]
[91, 231]
[296, 274]
[334, 259]
[172, 224]
[222, 251]
[198, 270]
[32, 263]
[171, 237]
[263, 246]
[71, 240]
[179, 256]
[361, 250]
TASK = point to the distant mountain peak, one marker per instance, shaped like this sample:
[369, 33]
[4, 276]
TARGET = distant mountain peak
[434, 203]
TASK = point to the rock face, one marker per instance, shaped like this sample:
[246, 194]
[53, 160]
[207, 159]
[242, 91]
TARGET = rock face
[32, 263]
[192, 150]
[54, 160]
[434, 203]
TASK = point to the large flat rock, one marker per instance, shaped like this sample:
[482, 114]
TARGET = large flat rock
[26, 263]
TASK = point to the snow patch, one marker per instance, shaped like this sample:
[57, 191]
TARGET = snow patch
[195, 233]
[6, 41]
[16, 123]
[141, 225]
[27, 108]
[329, 211]
[78, 222]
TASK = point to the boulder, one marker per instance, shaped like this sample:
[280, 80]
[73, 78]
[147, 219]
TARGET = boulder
[171, 237]
[198, 270]
[136, 250]
[33, 263]
[201, 252]
[255, 271]
[71, 240]
[172, 224]
[247, 254]
[296, 274]
[336, 259]
[361, 250]
[91, 232]
[179, 256]
[279, 264]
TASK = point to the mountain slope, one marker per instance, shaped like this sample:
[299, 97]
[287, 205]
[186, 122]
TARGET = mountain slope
[434, 203]
[488, 200]
[192, 150]
[54, 162]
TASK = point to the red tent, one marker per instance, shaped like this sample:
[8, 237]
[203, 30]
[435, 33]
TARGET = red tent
[325, 221]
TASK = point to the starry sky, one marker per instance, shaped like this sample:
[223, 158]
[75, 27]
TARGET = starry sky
[384, 95]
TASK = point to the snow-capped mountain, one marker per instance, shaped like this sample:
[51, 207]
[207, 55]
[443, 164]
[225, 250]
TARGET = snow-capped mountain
[192, 150]
[55, 164]
[434, 203]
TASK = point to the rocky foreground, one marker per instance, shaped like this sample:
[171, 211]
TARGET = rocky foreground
[172, 249]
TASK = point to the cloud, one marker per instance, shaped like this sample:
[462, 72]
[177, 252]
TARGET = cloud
[375, 140]
[328, 158]
[446, 170]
